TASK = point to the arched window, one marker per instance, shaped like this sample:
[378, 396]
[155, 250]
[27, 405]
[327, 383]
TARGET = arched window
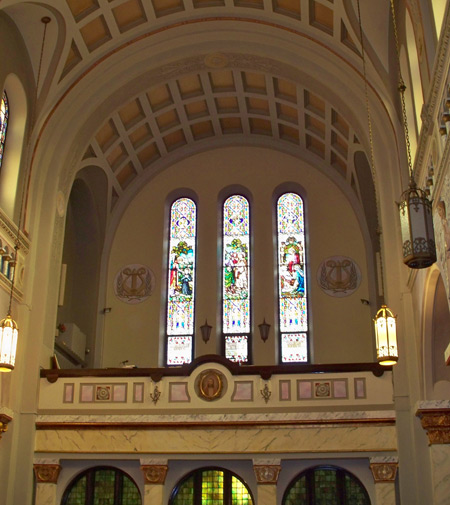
[102, 485]
[292, 286]
[181, 282]
[4, 116]
[236, 279]
[211, 486]
[322, 485]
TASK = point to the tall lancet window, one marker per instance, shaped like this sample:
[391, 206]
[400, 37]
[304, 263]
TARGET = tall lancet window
[292, 292]
[236, 279]
[4, 116]
[181, 282]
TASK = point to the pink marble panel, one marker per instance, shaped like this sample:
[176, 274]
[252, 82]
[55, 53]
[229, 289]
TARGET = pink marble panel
[178, 392]
[360, 387]
[86, 393]
[138, 392]
[340, 389]
[304, 390]
[243, 391]
[68, 393]
[285, 390]
[119, 393]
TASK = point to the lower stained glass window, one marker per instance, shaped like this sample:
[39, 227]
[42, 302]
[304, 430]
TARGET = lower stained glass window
[326, 486]
[102, 486]
[211, 486]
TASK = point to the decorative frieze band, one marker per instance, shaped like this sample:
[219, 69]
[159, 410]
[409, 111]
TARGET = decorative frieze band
[267, 474]
[46, 473]
[154, 474]
[384, 472]
[436, 423]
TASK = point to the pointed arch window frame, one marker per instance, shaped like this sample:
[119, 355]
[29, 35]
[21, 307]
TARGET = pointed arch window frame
[174, 336]
[237, 334]
[299, 335]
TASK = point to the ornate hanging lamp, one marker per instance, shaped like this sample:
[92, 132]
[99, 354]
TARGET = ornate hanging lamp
[386, 336]
[416, 218]
[385, 322]
[9, 331]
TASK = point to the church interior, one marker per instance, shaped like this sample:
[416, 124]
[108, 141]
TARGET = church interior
[218, 274]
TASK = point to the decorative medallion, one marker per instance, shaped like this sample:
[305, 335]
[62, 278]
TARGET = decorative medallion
[154, 474]
[46, 473]
[210, 385]
[339, 276]
[134, 283]
[267, 474]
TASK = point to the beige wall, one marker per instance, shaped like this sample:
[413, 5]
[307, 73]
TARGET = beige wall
[340, 327]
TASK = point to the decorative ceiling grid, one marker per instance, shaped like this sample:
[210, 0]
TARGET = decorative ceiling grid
[94, 23]
[217, 103]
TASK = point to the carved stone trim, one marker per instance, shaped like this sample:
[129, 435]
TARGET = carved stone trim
[47, 474]
[384, 472]
[267, 474]
[154, 474]
[4, 420]
[436, 423]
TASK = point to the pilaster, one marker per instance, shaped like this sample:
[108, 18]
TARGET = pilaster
[267, 472]
[384, 471]
[154, 478]
[46, 479]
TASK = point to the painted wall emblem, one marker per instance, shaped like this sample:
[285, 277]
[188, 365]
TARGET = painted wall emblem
[134, 283]
[339, 276]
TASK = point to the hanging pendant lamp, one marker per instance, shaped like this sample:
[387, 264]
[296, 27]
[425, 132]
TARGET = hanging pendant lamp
[416, 218]
[386, 336]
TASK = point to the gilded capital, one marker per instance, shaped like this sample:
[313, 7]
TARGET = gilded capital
[46, 473]
[384, 472]
[436, 422]
[267, 474]
[154, 474]
[4, 420]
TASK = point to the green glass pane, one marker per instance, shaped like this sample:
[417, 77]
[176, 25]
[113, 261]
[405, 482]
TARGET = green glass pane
[130, 493]
[185, 493]
[212, 487]
[104, 487]
[77, 495]
[325, 488]
[239, 493]
[354, 492]
[297, 495]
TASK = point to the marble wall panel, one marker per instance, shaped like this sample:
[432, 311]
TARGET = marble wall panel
[257, 440]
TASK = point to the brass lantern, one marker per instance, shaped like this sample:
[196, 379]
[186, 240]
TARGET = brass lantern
[8, 343]
[416, 220]
[386, 336]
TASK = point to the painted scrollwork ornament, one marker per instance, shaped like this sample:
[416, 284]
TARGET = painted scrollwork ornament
[134, 283]
[339, 276]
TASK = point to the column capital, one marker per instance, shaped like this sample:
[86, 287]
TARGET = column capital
[4, 420]
[267, 474]
[385, 471]
[436, 422]
[154, 474]
[46, 473]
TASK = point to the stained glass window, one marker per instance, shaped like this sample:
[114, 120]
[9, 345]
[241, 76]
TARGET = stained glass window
[236, 278]
[292, 285]
[181, 282]
[4, 116]
[102, 486]
[211, 486]
[326, 486]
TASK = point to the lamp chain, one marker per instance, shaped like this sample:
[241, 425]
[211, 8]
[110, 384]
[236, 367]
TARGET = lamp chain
[369, 123]
[402, 89]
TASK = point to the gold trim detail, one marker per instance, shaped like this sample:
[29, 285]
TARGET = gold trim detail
[384, 472]
[436, 422]
[154, 474]
[267, 474]
[4, 420]
[47, 474]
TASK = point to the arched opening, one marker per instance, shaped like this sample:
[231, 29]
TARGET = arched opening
[211, 486]
[9, 174]
[83, 244]
[102, 485]
[325, 484]
[440, 340]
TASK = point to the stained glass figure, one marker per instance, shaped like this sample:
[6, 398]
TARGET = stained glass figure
[236, 278]
[292, 286]
[181, 282]
[326, 486]
[4, 116]
[211, 487]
